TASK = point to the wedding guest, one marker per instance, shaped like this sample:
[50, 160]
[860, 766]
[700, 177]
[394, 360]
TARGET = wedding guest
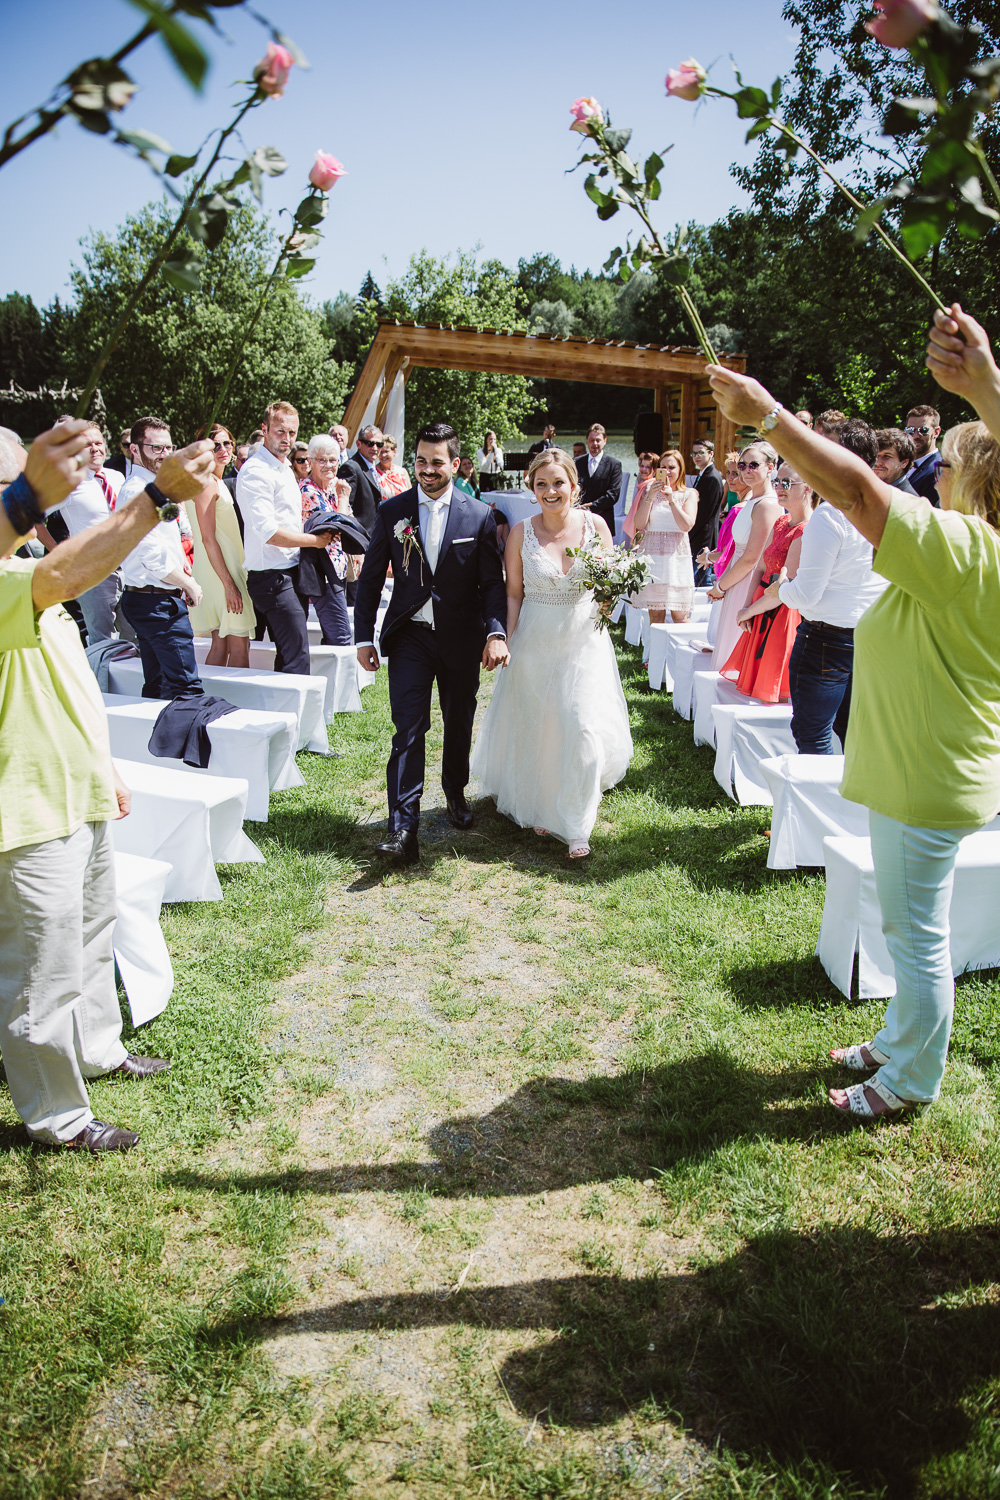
[224, 610]
[894, 458]
[91, 502]
[392, 477]
[157, 585]
[660, 527]
[805, 417]
[599, 477]
[240, 455]
[465, 479]
[579, 450]
[923, 425]
[923, 752]
[711, 491]
[119, 464]
[647, 463]
[751, 530]
[340, 436]
[299, 460]
[489, 458]
[361, 474]
[271, 504]
[547, 441]
[759, 663]
[322, 489]
[829, 422]
[718, 560]
[60, 1022]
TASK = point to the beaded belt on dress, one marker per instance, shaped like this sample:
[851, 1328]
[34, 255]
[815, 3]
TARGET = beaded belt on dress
[562, 600]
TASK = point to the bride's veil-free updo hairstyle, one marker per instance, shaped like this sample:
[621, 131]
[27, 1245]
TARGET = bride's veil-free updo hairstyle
[557, 456]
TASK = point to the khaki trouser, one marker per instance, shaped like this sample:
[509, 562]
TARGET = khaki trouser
[59, 1017]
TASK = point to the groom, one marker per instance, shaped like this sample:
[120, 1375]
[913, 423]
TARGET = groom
[446, 618]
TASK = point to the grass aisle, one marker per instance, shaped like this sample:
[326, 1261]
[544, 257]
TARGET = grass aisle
[508, 1177]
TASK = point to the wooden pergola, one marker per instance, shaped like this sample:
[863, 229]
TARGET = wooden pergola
[675, 375]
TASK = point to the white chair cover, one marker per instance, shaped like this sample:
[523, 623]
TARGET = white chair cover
[744, 735]
[337, 665]
[140, 951]
[808, 808]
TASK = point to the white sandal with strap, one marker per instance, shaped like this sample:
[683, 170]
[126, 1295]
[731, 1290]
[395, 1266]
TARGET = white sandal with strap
[859, 1110]
[853, 1058]
[578, 851]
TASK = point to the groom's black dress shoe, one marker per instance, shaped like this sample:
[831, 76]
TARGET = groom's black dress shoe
[459, 811]
[401, 846]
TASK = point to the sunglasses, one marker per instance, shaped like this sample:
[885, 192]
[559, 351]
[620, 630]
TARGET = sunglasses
[922, 430]
[300, 458]
[221, 447]
[748, 464]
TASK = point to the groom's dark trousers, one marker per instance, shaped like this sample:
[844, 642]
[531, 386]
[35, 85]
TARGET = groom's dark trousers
[469, 603]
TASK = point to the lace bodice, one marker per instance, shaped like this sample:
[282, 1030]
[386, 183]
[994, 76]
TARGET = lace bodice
[544, 582]
[783, 535]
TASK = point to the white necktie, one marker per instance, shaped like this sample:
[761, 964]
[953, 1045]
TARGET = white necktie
[432, 531]
[592, 463]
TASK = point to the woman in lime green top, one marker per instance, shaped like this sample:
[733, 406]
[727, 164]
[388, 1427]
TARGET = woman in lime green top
[923, 747]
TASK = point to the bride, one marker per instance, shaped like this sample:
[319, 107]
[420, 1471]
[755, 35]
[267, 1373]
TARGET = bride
[556, 733]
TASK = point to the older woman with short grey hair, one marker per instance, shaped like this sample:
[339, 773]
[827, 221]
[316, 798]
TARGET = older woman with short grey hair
[321, 487]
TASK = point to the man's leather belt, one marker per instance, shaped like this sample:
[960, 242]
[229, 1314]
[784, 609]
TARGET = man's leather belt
[149, 588]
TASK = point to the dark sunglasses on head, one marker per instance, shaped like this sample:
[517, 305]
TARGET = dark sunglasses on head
[923, 430]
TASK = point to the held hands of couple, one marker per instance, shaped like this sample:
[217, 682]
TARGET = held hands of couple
[495, 653]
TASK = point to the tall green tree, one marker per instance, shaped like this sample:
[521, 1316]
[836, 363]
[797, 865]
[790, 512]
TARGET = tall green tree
[175, 351]
[462, 291]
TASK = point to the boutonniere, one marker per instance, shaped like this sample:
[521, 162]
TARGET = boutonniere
[408, 536]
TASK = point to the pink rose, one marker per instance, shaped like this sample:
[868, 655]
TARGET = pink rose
[687, 81]
[583, 111]
[271, 73]
[901, 21]
[326, 170]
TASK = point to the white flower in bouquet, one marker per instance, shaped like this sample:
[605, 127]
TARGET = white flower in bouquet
[612, 576]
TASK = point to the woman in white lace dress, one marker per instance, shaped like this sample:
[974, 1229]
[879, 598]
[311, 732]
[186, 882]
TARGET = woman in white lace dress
[556, 733]
[663, 517]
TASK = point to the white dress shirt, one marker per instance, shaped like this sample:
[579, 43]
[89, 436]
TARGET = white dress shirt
[835, 583]
[433, 520]
[160, 551]
[87, 506]
[269, 500]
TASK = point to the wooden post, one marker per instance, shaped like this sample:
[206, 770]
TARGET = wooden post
[689, 417]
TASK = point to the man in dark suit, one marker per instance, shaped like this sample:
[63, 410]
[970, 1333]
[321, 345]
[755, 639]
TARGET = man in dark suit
[923, 425]
[548, 441]
[447, 617]
[600, 477]
[711, 489]
[359, 471]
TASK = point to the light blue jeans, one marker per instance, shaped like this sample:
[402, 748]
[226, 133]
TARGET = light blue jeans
[914, 876]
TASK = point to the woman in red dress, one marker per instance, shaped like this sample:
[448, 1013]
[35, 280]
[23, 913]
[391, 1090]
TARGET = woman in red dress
[759, 663]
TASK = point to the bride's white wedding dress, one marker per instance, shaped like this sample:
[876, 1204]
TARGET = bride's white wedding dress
[556, 734]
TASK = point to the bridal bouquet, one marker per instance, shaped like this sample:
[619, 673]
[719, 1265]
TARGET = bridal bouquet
[612, 576]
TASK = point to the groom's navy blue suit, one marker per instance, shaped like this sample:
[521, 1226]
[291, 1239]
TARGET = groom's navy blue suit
[469, 602]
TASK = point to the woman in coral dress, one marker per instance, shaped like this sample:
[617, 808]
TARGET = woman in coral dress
[759, 662]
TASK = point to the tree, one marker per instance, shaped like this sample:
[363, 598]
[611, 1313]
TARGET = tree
[174, 353]
[553, 318]
[459, 291]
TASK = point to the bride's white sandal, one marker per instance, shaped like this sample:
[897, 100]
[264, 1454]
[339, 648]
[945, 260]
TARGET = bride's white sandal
[858, 1108]
[579, 851]
[854, 1058]
[543, 833]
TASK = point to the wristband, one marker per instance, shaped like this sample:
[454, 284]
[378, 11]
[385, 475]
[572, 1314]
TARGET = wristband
[167, 510]
[21, 506]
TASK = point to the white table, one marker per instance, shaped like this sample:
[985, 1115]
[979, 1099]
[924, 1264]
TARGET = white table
[852, 917]
[744, 736]
[140, 951]
[191, 820]
[269, 692]
[808, 808]
[517, 505]
[336, 665]
[246, 743]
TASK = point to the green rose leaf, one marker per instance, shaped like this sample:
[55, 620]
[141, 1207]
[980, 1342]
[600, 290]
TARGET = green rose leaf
[270, 161]
[176, 165]
[312, 210]
[256, 178]
[615, 255]
[675, 269]
[761, 127]
[185, 275]
[866, 221]
[654, 165]
[906, 115]
[145, 140]
[924, 224]
[95, 121]
[751, 103]
[607, 210]
[185, 50]
[298, 265]
[617, 140]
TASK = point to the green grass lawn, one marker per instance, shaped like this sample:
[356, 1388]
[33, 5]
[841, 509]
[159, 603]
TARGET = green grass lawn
[508, 1176]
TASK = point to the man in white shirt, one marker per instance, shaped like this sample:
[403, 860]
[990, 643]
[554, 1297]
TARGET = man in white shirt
[270, 502]
[157, 584]
[92, 502]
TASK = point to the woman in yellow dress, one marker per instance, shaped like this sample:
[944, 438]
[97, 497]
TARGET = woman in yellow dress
[219, 566]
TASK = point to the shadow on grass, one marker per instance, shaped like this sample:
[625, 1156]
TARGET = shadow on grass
[767, 1351]
[555, 1133]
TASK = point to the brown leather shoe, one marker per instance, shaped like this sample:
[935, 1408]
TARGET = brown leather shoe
[140, 1067]
[97, 1137]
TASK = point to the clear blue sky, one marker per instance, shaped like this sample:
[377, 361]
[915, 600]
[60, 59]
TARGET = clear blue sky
[450, 115]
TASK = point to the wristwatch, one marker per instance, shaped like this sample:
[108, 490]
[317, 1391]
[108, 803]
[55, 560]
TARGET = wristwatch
[770, 422]
[167, 510]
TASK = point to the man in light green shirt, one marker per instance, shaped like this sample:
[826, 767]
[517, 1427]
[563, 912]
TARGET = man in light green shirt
[59, 1017]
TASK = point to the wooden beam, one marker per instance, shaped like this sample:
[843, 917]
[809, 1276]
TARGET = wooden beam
[689, 418]
[371, 374]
